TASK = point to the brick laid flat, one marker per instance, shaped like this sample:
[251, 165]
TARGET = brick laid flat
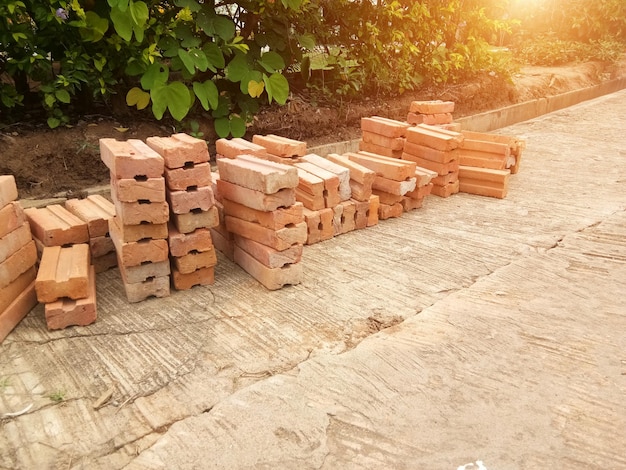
[278, 239]
[95, 211]
[17, 264]
[179, 149]
[257, 174]
[199, 277]
[54, 225]
[181, 244]
[280, 146]
[269, 256]
[190, 221]
[271, 278]
[138, 189]
[181, 179]
[67, 312]
[256, 199]
[231, 148]
[136, 232]
[11, 291]
[198, 198]
[63, 272]
[275, 219]
[14, 240]
[131, 158]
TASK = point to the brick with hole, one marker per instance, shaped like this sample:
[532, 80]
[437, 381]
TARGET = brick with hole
[412, 150]
[131, 158]
[17, 264]
[372, 215]
[269, 256]
[190, 221]
[21, 303]
[231, 148]
[411, 204]
[431, 107]
[8, 190]
[387, 198]
[257, 174]
[445, 191]
[313, 226]
[181, 202]
[361, 210]
[199, 277]
[421, 192]
[136, 253]
[65, 312]
[181, 244]
[270, 278]
[384, 126]
[179, 150]
[63, 272]
[95, 211]
[256, 199]
[424, 176]
[392, 143]
[386, 211]
[54, 225]
[360, 192]
[195, 260]
[442, 180]
[153, 287]
[135, 213]
[280, 146]
[138, 189]
[310, 190]
[136, 232]
[399, 188]
[144, 272]
[189, 176]
[277, 239]
[341, 172]
[347, 222]
[274, 220]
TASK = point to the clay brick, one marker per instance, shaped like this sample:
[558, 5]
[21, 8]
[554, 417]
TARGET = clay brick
[431, 119]
[337, 216]
[278, 239]
[268, 256]
[372, 215]
[484, 182]
[439, 168]
[399, 188]
[100, 246]
[387, 198]
[327, 229]
[485, 160]
[17, 264]
[270, 278]
[280, 146]
[431, 107]
[138, 189]
[192, 175]
[257, 174]
[379, 150]
[13, 241]
[442, 180]
[12, 290]
[482, 188]
[181, 244]
[144, 272]
[383, 126]
[136, 253]
[313, 226]
[445, 191]
[341, 172]
[428, 137]
[200, 277]
[288, 161]
[361, 209]
[153, 287]
[386, 211]
[11, 216]
[131, 158]
[136, 232]
[310, 201]
[187, 223]
[358, 173]
[440, 156]
[21, 304]
[135, 213]
[179, 150]
[360, 192]
[8, 190]
[105, 262]
[424, 176]
[95, 211]
[391, 168]
[421, 192]
[231, 148]
[347, 219]
[410, 204]
[483, 146]
[223, 244]
[396, 143]
[452, 126]
[256, 199]
[56, 226]
[310, 190]
[195, 260]
[63, 272]
[274, 220]
[67, 312]
[182, 202]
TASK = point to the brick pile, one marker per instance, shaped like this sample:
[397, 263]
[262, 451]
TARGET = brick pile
[54, 225]
[18, 258]
[231, 148]
[139, 229]
[96, 211]
[383, 136]
[260, 209]
[436, 149]
[435, 112]
[189, 192]
[223, 240]
[281, 149]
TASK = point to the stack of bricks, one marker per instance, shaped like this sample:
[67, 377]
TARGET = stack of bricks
[54, 225]
[383, 136]
[231, 148]
[192, 205]
[513, 157]
[281, 149]
[394, 178]
[96, 211]
[18, 257]
[436, 149]
[223, 240]
[260, 208]
[433, 113]
[139, 229]
[361, 180]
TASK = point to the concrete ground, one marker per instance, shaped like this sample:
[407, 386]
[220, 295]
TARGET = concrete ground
[472, 331]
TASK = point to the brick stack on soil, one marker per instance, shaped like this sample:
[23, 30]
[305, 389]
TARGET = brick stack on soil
[192, 205]
[18, 258]
[260, 209]
[436, 149]
[383, 136]
[435, 112]
[139, 229]
[281, 149]
[96, 212]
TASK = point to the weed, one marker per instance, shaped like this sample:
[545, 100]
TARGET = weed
[57, 396]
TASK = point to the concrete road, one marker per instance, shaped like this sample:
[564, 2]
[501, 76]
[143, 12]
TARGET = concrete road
[472, 333]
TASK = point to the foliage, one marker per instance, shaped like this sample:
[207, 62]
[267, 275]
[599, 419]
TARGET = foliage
[550, 51]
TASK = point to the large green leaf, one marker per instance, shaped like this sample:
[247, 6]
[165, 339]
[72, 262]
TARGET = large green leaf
[293, 4]
[154, 76]
[277, 88]
[222, 127]
[207, 93]
[186, 36]
[63, 96]
[238, 68]
[191, 4]
[199, 59]
[174, 97]
[95, 27]
[215, 25]
[187, 60]
[271, 62]
[214, 55]
[122, 23]
[139, 13]
[122, 5]
[233, 125]
[223, 107]
[252, 75]
[307, 40]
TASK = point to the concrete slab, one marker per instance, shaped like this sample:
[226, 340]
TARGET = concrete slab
[472, 329]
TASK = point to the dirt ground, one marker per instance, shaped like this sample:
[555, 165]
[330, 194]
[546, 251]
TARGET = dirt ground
[65, 161]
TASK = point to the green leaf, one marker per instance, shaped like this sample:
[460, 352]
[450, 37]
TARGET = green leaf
[237, 126]
[307, 41]
[222, 127]
[187, 39]
[94, 28]
[199, 59]
[207, 93]
[271, 62]
[187, 60]
[49, 100]
[223, 107]
[238, 68]
[122, 23]
[169, 46]
[251, 76]
[277, 88]
[191, 4]
[53, 122]
[155, 75]
[214, 55]
[139, 13]
[293, 4]
[215, 25]
[121, 4]
[134, 67]
[137, 97]
[173, 97]
[63, 96]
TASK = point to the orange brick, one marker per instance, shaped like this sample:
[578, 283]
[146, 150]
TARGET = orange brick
[179, 150]
[131, 158]
[484, 182]
[256, 199]
[56, 226]
[372, 215]
[383, 126]
[135, 213]
[188, 177]
[11, 216]
[387, 198]
[182, 202]
[231, 148]
[313, 226]
[224, 245]
[271, 278]
[12, 290]
[8, 190]
[358, 173]
[399, 188]
[105, 262]
[361, 209]
[424, 176]
[387, 167]
[100, 246]
[421, 192]
[195, 260]
[331, 182]
[134, 233]
[327, 229]
[440, 156]
[278, 239]
[17, 264]
[310, 190]
[410, 204]
[95, 211]
[21, 304]
[63, 272]
[447, 190]
[138, 189]
[386, 211]
[274, 220]
[181, 244]
[431, 119]
[153, 287]
[14, 240]
[200, 277]
[431, 107]
[360, 192]
[442, 180]
[280, 146]
[284, 160]
[379, 150]
[144, 272]
[268, 256]
[433, 138]
[67, 312]
[482, 188]
[439, 168]
[187, 223]
[485, 160]
[347, 222]
[391, 143]
[257, 174]
[139, 252]
[341, 172]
